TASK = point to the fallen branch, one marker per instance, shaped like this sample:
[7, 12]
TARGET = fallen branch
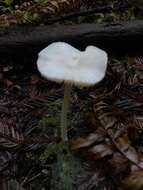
[119, 38]
[77, 14]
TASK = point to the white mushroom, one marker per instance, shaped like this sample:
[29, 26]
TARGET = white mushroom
[61, 62]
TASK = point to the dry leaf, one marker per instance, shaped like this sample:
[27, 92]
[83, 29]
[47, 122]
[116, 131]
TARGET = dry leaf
[118, 163]
[35, 79]
[7, 82]
[54, 3]
[134, 181]
[100, 151]
[127, 149]
[85, 142]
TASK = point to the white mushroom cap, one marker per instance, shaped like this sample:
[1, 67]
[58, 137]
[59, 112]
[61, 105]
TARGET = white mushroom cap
[63, 63]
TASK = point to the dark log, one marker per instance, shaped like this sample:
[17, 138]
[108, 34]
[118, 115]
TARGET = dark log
[117, 38]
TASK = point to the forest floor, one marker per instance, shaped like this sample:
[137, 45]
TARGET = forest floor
[105, 125]
[105, 121]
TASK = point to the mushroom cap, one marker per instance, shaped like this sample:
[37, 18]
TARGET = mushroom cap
[63, 63]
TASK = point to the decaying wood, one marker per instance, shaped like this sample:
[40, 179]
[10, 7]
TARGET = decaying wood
[122, 37]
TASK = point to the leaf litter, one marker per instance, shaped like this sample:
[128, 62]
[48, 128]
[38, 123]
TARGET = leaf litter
[108, 135]
[117, 127]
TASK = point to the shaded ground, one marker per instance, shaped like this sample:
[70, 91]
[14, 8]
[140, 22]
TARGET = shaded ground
[106, 121]
[30, 114]
[109, 116]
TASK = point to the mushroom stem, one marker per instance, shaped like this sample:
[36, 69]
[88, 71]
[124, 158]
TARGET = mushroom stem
[65, 106]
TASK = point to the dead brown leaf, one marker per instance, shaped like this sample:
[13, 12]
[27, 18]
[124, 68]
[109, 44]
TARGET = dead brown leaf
[134, 181]
[100, 151]
[87, 141]
[128, 151]
[35, 79]
[7, 83]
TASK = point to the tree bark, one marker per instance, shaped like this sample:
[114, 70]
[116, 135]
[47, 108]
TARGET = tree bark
[116, 38]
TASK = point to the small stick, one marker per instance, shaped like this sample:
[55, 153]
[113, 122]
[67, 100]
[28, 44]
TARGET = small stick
[79, 13]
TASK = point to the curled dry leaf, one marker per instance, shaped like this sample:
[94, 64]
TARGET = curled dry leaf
[87, 141]
[134, 181]
[35, 79]
[118, 163]
[125, 147]
[100, 151]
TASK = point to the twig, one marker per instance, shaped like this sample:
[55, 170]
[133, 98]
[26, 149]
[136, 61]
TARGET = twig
[79, 13]
[32, 178]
